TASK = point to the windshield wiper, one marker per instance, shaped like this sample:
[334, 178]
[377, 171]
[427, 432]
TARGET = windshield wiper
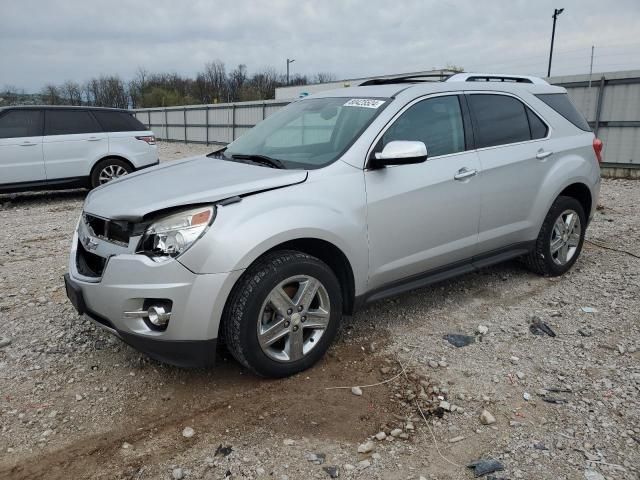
[261, 159]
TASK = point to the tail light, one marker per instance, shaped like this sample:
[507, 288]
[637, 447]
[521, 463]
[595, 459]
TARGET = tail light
[151, 140]
[597, 148]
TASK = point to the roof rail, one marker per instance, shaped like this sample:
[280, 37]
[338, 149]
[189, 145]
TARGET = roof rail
[418, 78]
[495, 77]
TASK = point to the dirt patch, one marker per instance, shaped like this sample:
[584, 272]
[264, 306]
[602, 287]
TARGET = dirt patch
[223, 402]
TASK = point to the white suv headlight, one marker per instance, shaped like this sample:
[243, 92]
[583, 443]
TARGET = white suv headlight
[171, 236]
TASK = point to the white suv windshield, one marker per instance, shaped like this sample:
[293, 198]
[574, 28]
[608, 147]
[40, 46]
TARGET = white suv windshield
[309, 133]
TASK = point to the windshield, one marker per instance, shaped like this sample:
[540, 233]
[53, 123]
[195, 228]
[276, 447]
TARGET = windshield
[309, 133]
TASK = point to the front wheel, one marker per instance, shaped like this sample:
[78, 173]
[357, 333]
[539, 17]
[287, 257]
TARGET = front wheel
[560, 240]
[283, 314]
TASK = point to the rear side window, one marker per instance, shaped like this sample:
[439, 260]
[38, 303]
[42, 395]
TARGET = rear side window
[561, 103]
[500, 120]
[436, 121]
[538, 128]
[21, 123]
[118, 122]
[69, 122]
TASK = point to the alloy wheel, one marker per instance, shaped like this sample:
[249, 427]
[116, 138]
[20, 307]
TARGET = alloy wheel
[565, 237]
[111, 172]
[293, 318]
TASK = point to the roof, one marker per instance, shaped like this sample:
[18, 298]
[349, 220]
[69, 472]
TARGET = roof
[62, 107]
[425, 88]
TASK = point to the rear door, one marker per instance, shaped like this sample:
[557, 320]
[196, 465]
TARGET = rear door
[128, 137]
[510, 138]
[21, 157]
[73, 142]
[424, 216]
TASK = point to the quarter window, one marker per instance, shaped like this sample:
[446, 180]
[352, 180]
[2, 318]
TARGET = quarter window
[69, 122]
[118, 121]
[21, 123]
[436, 121]
[538, 128]
[500, 120]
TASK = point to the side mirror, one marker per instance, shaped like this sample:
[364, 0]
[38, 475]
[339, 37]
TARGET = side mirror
[400, 152]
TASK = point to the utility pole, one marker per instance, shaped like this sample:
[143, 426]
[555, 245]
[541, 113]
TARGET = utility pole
[289, 62]
[556, 12]
[591, 67]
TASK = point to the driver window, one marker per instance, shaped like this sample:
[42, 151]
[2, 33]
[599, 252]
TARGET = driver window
[436, 121]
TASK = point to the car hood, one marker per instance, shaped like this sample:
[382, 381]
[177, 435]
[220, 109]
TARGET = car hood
[185, 182]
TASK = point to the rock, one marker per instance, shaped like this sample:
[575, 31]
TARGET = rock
[348, 467]
[317, 458]
[486, 418]
[433, 364]
[126, 446]
[224, 451]
[513, 359]
[590, 474]
[385, 370]
[364, 464]
[526, 396]
[445, 405]
[366, 447]
[381, 436]
[260, 471]
[458, 340]
[288, 442]
[520, 375]
[188, 432]
[177, 474]
[332, 471]
[409, 426]
[484, 467]
[396, 432]
[456, 439]
[78, 397]
[482, 329]
[621, 349]
[4, 342]
[356, 391]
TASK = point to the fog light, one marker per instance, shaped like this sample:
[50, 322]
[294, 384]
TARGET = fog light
[158, 316]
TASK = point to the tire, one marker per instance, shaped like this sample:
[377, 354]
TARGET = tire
[542, 259]
[109, 167]
[252, 318]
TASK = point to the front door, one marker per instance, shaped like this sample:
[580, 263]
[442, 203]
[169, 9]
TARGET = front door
[424, 216]
[21, 147]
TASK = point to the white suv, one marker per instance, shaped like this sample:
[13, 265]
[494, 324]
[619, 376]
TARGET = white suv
[43, 148]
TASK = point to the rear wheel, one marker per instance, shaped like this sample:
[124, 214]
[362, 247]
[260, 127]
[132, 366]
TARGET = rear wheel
[107, 170]
[283, 314]
[560, 240]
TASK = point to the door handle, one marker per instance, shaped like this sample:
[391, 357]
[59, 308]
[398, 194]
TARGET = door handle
[541, 155]
[28, 144]
[94, 139]
[464, 173]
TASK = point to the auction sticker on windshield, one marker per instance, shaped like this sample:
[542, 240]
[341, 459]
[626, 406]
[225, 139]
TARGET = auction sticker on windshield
[364, 103]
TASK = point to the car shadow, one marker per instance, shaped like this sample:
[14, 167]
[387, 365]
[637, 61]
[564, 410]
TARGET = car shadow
[28, 198]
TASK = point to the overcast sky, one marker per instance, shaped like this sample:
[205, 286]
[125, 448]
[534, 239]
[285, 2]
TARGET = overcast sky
[44, 41]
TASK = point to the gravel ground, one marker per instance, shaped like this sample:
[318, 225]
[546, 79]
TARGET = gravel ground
[77, 403]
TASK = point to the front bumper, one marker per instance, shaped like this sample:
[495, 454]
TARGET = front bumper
[128, 280]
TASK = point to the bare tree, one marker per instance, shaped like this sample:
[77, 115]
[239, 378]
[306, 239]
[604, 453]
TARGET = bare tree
[324, 77]
[71, 93]
[9, 95]
[51, 94]
[237, 79]
[215, 77]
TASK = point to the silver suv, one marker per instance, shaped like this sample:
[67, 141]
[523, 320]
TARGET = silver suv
[339, 199]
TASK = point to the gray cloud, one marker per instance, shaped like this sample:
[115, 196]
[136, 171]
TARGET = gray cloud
[46, 41]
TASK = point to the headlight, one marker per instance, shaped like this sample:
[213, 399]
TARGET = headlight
[171, 236]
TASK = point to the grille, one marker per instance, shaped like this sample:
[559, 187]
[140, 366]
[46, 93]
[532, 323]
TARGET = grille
[89, 264]
[109, 230]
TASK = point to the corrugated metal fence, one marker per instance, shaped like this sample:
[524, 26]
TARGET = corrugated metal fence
[216, 123]
[610, 102]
